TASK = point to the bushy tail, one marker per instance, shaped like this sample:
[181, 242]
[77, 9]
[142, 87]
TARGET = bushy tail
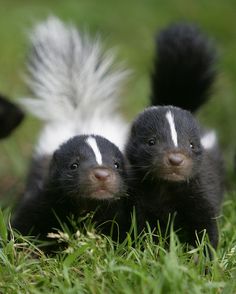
[184, 69]
[75, 84]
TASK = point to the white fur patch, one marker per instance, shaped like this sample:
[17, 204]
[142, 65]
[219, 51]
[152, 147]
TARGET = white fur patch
[151, 108]
[209, 140]
[170, 119]
[52, 136]
[93, 144]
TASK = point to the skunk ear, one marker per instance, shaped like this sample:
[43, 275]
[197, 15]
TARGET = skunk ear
[133, 130]
[55, 157]
[53, 165]
[10, 117]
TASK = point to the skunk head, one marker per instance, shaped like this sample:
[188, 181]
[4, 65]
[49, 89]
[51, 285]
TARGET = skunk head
[88, 167]
[165, 144]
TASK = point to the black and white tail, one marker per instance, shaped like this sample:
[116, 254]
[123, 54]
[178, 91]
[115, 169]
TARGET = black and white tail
[76, 86]
[184, 67]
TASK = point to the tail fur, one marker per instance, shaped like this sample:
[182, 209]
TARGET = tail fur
[184, 67]
[75, 84]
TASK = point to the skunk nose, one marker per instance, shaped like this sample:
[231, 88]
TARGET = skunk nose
[101, 174]
[176, 158]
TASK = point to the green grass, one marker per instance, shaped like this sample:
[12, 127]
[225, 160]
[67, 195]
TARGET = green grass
[92, 263]
[96, 265]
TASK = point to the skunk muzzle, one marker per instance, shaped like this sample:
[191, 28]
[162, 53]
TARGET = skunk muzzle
[175, 166]
[104, 183]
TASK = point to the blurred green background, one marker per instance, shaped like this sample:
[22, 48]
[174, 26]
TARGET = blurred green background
[130, 26]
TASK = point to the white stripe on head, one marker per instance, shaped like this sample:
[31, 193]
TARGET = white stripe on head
[208, 141]
[93, 144]
[170, 119]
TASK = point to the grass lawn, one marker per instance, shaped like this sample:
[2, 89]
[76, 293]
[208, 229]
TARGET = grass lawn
[94, 264]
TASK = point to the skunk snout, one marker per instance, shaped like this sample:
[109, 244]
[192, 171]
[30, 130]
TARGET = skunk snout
[176, 159]
[103, 184]
[101, 174]
[175, 166]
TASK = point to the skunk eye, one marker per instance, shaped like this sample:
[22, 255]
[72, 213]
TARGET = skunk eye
[191, 145]
[74, 166]
[116, 164]
[151, 142]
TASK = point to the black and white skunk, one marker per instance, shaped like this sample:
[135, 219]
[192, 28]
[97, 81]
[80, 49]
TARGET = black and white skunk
[177, 166]
[73, 171]
[86, 174]
[10, 117]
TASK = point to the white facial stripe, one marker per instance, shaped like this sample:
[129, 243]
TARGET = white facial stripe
[170, 119]
[93, 144]
[208, 141]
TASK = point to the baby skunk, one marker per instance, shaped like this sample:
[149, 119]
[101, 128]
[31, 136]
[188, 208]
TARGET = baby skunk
[86, 173]
[10, 117]
[77, 90]
[176, 169]
[177, 166]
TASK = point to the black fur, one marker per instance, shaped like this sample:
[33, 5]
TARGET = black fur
[184, 68]
[193, 190]
[10, 117]
[64, 186]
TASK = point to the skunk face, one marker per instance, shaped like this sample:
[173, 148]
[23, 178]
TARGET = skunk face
[88, 167]
[165, 144]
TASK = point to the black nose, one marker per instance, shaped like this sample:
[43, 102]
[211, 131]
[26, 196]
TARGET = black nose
[101, 174]
[176, 158]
